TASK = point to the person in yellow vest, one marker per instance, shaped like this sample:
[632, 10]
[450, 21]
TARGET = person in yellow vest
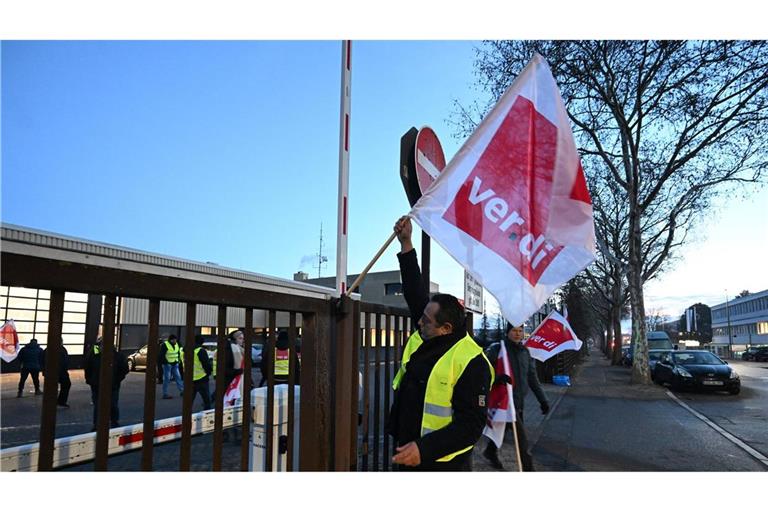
[169, 355]
[281, 357]
[439, 409]
[201, 370]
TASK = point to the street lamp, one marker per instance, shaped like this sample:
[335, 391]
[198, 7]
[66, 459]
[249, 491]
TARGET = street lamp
[728, 315]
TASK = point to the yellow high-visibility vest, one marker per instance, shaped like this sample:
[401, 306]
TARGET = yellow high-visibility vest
[438, 412]
[282, 362]
[172, 355]
[198, 372]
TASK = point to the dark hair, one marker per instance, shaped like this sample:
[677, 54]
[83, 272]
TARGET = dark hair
[199, 339]
[231, 335]
[510, 326]
[172, 337]
[451, 311]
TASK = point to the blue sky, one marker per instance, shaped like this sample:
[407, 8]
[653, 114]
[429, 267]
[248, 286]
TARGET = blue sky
[228, 152]
[219, 151]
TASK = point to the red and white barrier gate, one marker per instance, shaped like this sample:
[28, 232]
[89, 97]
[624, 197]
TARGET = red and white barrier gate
[82, 447]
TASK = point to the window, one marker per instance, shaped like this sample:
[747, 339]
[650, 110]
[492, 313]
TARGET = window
[762, 328]
[393, 289]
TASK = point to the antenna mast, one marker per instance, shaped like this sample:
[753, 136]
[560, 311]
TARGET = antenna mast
[320, 258]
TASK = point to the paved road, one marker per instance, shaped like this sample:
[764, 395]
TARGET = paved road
[603, 423]
[745, 415]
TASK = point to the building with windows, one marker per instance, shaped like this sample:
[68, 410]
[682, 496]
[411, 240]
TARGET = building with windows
[83, 313]
[740, 323]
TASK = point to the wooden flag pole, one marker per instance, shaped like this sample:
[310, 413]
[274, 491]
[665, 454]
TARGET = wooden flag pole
[517, 447]
[368, 267]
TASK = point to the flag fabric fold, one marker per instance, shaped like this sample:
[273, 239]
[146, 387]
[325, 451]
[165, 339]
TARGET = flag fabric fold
[512, 207]
[9, 341]
[501, 407]
[552, 336]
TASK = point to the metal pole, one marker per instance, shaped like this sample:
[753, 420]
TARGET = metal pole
[425, 258]
[728, 314]
[343, 208]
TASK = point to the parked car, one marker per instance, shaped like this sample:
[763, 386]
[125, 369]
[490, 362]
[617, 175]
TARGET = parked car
[653, 357]
[626, 355]
[696, 369]
[138, 359]
[761, 355]
[749, 354]
[658, 340]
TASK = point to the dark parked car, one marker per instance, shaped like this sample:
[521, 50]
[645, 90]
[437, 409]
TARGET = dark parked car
[653, 357]
[696, 369]
[138, 359]
[626, 355]
[749, 354]
[761, 355]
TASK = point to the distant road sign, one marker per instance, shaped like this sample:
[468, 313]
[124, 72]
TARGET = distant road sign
[430, 159]
[473, 294]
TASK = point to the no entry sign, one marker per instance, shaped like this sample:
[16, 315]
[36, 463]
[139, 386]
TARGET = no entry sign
[429, 156]
[421, 161]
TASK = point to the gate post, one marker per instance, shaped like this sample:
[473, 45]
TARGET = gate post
[343, 369]
[315, 402]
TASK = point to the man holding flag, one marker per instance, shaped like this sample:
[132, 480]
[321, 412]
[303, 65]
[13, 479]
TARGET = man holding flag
[441, 388]
[523, 375]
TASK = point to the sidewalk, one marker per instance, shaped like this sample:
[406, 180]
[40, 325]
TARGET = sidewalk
[534, 425]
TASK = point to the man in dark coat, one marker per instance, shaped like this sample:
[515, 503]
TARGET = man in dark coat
[62, 378]
[29, 356]
[523, 377]
[442, 326]
[92, 376]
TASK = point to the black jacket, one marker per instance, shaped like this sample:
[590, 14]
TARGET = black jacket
[93, 367]
[63, 364]
[469, 394]
[30, 357]
[205, 361]
[523, 371]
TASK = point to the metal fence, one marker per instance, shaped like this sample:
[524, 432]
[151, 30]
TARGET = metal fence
[350, 353]
[329, 377]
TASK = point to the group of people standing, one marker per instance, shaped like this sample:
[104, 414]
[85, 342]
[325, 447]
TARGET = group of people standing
[170, 363]
[32, 358]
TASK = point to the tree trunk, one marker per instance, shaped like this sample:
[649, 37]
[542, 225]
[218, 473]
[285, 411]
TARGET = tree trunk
[616, 317]
[608, 338]
[640, 370]
[601, 337]
[617, 338]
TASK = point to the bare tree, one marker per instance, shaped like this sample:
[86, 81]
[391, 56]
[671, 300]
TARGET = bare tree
[654, 319]
[673, 123]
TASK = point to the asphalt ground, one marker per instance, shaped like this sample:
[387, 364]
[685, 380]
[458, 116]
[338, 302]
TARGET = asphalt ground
[604, 423]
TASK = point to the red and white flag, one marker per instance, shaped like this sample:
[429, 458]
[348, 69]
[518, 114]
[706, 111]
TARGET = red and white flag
[551, 337]
[9, 341]
[234, 392]
[501, 406]
[512, 207]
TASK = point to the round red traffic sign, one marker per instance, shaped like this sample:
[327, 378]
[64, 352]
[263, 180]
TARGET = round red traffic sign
[430, 160]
